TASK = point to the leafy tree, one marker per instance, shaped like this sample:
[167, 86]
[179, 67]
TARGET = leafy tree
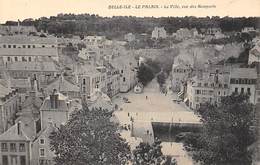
[146, 154]
[161, 78]
[89, 137]
[226, 135]
[145, 74]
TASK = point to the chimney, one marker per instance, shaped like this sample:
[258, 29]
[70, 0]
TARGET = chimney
[56, 96]
[53, 99]
[19, 128]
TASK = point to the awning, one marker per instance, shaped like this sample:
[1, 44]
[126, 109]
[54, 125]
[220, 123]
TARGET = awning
[180, 94]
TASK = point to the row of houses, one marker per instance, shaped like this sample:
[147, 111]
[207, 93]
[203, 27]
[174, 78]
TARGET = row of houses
[198, 86]
[185, 33]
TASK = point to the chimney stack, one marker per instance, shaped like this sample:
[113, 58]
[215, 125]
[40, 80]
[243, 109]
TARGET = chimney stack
[19, 128]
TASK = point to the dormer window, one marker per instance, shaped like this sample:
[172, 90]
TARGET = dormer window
[42, 141]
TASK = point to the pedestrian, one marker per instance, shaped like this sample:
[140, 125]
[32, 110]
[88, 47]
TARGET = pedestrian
[147, 132]
[146, 97]
[128, 114]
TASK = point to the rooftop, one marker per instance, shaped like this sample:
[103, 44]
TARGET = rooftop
[61, 103]
[24, 39]
[4, 91]
[33, 66]
[48, 52]
[12, 134]
[61, 84]
[249, 73]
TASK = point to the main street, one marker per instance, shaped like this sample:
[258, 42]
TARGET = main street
[152, 105]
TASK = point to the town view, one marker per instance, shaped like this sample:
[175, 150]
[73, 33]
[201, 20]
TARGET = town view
[90, 90]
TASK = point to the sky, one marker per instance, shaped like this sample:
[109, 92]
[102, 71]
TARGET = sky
[22, 9]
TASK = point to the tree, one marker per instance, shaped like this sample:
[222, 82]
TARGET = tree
[161, 78]
[89, 137]
[146, 154]
[226, 135]
[145, 74]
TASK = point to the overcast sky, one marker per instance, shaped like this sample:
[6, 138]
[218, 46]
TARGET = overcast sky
[21, 9]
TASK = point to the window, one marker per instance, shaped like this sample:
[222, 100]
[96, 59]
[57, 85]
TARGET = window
[225, 85]
[248, 91]
[43, 46]
[24, 46]
[42, 152]
[242, 90]
[22, 160]
[197, 99]
[5, 160]
[206, 84]
[8, 58]
[236, 90]
[219, 93]
[30, 58]
[122, 71]
[9, 46]
[124, 79]
[14, 46]
[23, 59]
[4, 46]
[4, 147]
[33, 46]
[84, 89]
[236, 81]
[84, 81]
[42, 141]
[21, 147]
[53, 46]
[198, 92]
[15, 58]
[13, 147]
[29, 46]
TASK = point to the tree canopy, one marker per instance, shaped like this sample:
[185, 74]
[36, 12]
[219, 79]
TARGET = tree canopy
[89, 137]
[146, 154]
[117, 26]
[145, 74]
[226, 135]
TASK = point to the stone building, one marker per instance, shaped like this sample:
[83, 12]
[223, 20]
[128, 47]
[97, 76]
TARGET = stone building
[207, 86]
[9, 104]
[244, 80]
[129, 37]
[159, 32]
[15, 146]
[28, 48]
[180, 74]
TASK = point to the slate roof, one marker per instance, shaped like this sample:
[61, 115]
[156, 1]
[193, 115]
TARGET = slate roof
[12, 134]
[29, 52]
[4, 91]
[249, 73]
[24, 39]
[33, 66]
[62, 103]
[62, 85]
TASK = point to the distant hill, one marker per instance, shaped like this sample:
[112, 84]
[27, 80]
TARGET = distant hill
[116, 27]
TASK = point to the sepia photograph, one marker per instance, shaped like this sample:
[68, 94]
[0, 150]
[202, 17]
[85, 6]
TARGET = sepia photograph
[119, 82]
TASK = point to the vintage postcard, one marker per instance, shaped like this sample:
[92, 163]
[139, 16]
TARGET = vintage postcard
[129, 82]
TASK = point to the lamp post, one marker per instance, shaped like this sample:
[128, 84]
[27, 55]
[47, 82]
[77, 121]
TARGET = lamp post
[132, 126]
